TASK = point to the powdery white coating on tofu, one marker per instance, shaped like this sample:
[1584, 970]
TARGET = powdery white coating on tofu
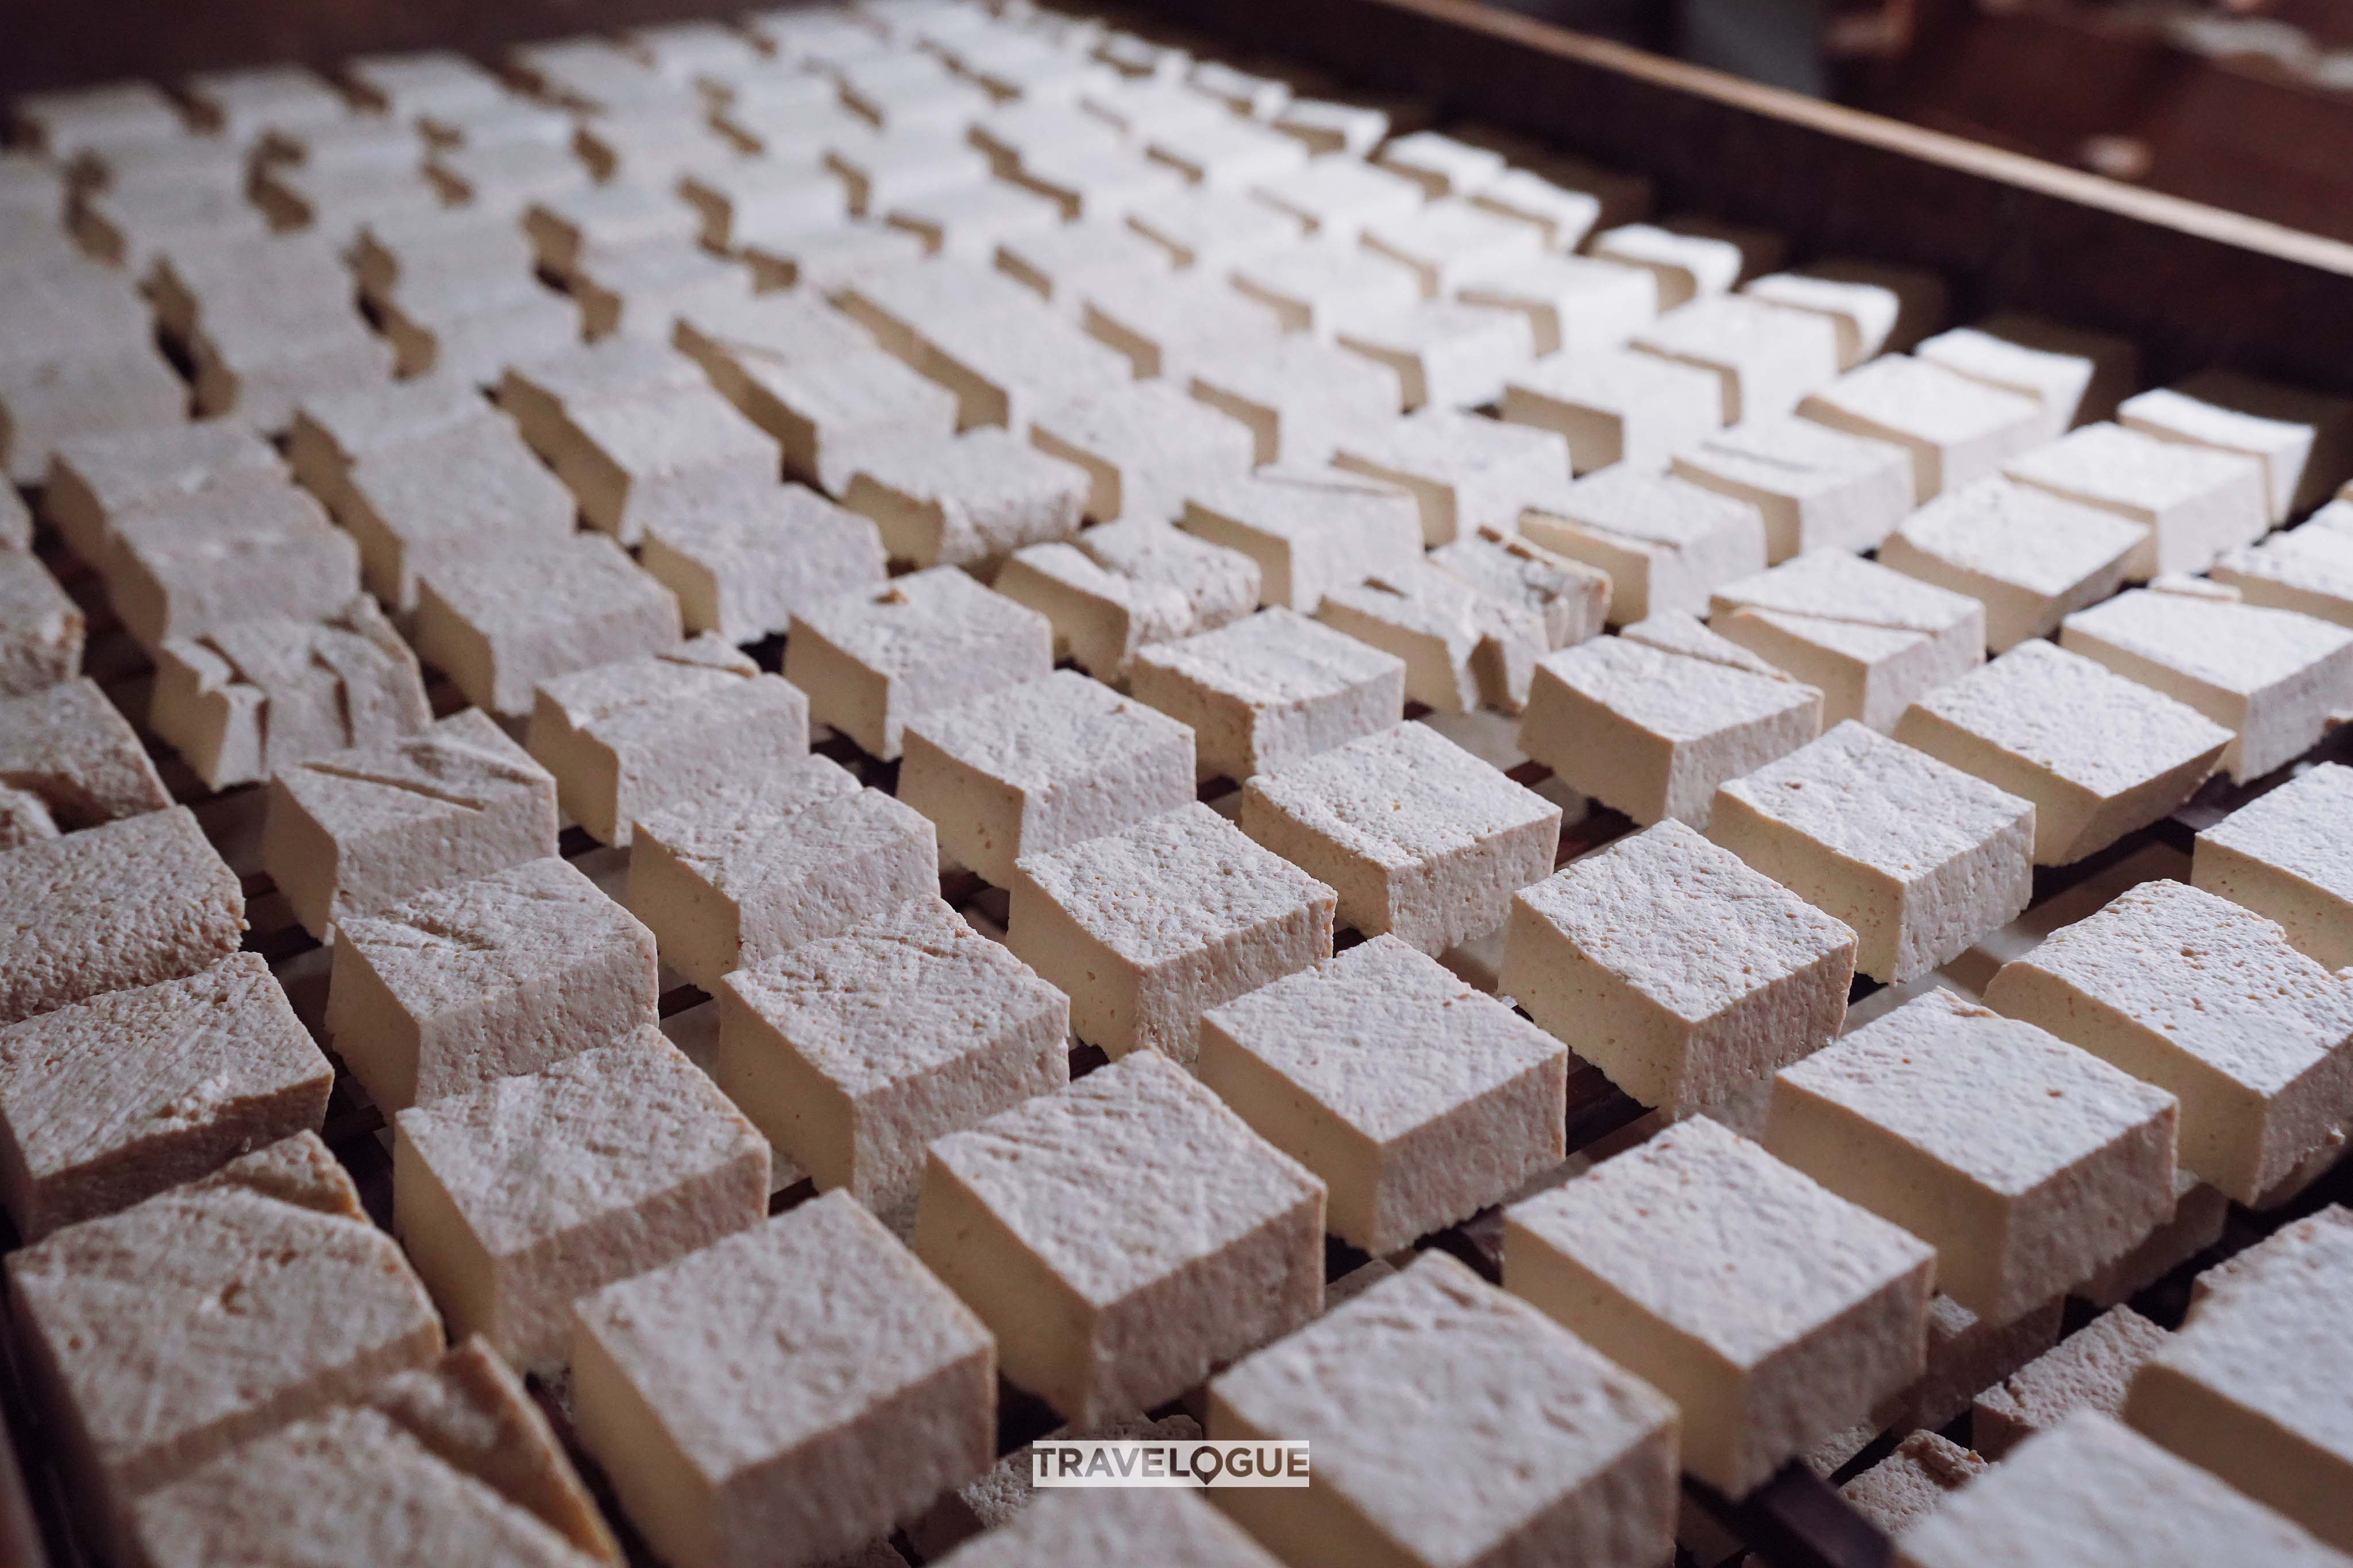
[2076, 375]
[786, 1395]
[1453, 1424]
[2309, 568]
[1920, 859]
[2089, 1369]
[185, 565]
[1446, 353]
[629, 461]
[499, 623]
[2028, 1163]
[827, 414]
[1218, 586]
[516, 1197]
[2304, 439]
[1418, 1100]
[2196, 503]
[1075, 1529]
[1311, 531]
[1170, 327]
[1467, 472]
[95, 479]
[1873, 306]
[1144, 448]
[1665, 543]
[1957, 430]
[1299, 396]
[1099, 616]
[743, 569]
[1571, 599]
[1572, 303]
[541, 395]
[1764, 359]
[71, 747]
[333, 431]
[1444, 166]
[2201, 998]
[968, 500]
[1122, 1236]
[1912, 1482]
[2284, 857]
[1866, 673]
[1450, 241]
[2029, 556]
[1679, 972]
[1462, 647]
[1816, 487]
[1320, 288]
[1269, 690]
[1830, 585]
[1771, 1310]
[1007, 369]
[1687, 266]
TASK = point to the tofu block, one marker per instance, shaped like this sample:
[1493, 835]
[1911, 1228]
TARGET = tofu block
[1765, 360]
[1466, 472]
[2090, 1370]
[871, 660]
[1957, 429]
[2196, 503]
[325, 1308]
[1219, 1251]
[1656, 1257]
[71, 748]
[827, 414]
[456, 491]
[2077, 377]
[2269, 676]
[501, 622]
[508, 1226]
[184, 567]
[1061, 264]
[332, 434]
[1872, 308]
[741, 570]
[1269, 689]
[2307, 569]
[94, 481]
[130, 902]
[636, 461]
[541, 395]
[1443, 165]
[1461, 649]
[477, 336]
[784, 1396]
[644, 290]
[1817, 488]
[1548, 202]
[1219, 586]
[1871, 639]
[1680, 973]
[970, 222]
[2304, 439]
[567, 226]
[489, 978]
[16, 524]
[1172, 327]
[1920, 859]
[2027, 1163]
[1229, 153]
[1099, 616]
[1300, 397]
[2280, 856]
[1322, 288]
[1453, 1424]
[852, 1053]
[1380, 1070]
[903, 164]
[1574, 303]
[1147, 928]
[1007, 369]
[1615, 405]
[2198, 1211]
[360, 831]
[827, 257]
[1338, 198]
[2030, 557]
[969, 500]
[1446, 354]
[45, 402]
[2202, 999]
[1144, 448]
[106, 1102]
[1449, 242]
[1664, 544]
[1688, 266]
[1571, 600]
[1069, 1529]
[2100, 756]
[1913, 1482]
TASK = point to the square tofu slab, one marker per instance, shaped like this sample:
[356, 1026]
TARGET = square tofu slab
[94, 481]
[458, 490]
[873, 659]
[2027, 1163]
[1817, 488]
[854, 1052]
[1957, 430]
[1219, 1251]
[1311, 531]
[1444, 166]
[2284, 857]
[1061, 263]
[1213, 230]
[1007, 369]
[631, 461]
[1764, 359]
[1664, 544]
[741, 570]
[71, 748]
[1099, 616]
[1615, 406]
[43, 401]
[1468, 473]
[2077, 377]
[828, 257]
[325, 1307]
[826, 414]
[476, 337]
[2270, 676]
[2092, 1369]
[2198, 996]
[1688, 266]
[900, 166]
[1571, 599]
[1446, 354]
[1075, 1527]
[1169, 328]
[2304, 439]
[2308, 568]
[968, 500]
[1461, 649]
[112, 1101]
[332, 434]
[41, 628]
[1872, 639]
[519, 1197]
[804, 1383]
[1452, 1423]
[486, 979]
[1920, 859]
[1871, 308]
[1684, 976]
[1219, 586]
[1418, 1100]
[1572, 303]
[646, 733]
[183, 566]
[1338, 198]
[541, 395]
[2196, 502]
[1446, 243]
[1656, 1257]
[130, 902]
[1419, 837]
[1300, 397]
[567, 226]
[1226, 154]
[2100, 756]
[2030, 557]
[1039, 766]
[360, 831]
[1909, 1484]
[501, 622]
[1553, 202]
[1145, 448]
[1269, 689]
[902, 306]
[969, 222]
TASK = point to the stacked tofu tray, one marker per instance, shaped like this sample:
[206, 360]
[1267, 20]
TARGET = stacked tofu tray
[743, 761]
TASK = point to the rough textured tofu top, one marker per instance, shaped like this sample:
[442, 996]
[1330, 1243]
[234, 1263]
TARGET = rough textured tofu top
[125, 471]
[1166, 885]
[740, 848]
[1925, 401]
[1677, 631]
[1220, 585]
[1296, 369]
[465, 762]
[2020, 534]
[1908, 1485]
[780, 790]
[1792, 455]
[1877, 802]
[1515, 570]
[1669, 694]
[1451, 1412]
[987, 472]
[1716, 1238]
[529, 584]
[2137, 470]
[1082, 1529]
[921, 619]
[1401, 796]
[456, 946]
[778, 326]
[1386, 1038]
[1272, 660]
[619, 366]
[596, 1133]
[2300, 827]
[1648, 508]
[1132, 1172]
[70, 746]
[1448, 447]
[1832, 585]
[894, 996]
[673, 431]
[1685, 922]
[677, 678]
[2276, 1346]
[1996, 1100]
[780, 1335]
[2235, 647]
[2075, 717]
[1146, 423]
[1046, 732]
[2218, 981]
[353, 421]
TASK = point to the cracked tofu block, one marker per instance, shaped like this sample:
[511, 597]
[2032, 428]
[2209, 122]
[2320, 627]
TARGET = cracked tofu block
[1452, 1423]
[186, 566]
[1269, 689]
[1467, 473]
[2208, 1002]
[1656, 1257]
[1573, 304]
[2308, 569]
[2304, 439]
[110, 1100]
[1615, 406]
[1040, 766]
[1920, 859]
[2282, 856]
[1220, 1248]
[1678, 971]
[1071, 1529]
[1211, 231]
[519, 1195]
[1765, 360]
[485, 979]
[871, 660]
[1909, 1484]
[1218, 586]
[41, 627]
[1461, 649]
[1416, 1099]
[2032, 558]
[631, 462]
[1817, 488]
[1957, 431]
[1443, 165]
[786, 1395]
[1665, 544]
[1148, 928]
[967, 500]
[2090, 1370]
[72, 749]
[462, 490]
[1172, 327]
[358, 832]
[854, 1052]
[1300, 397]
[1419, 837]
[2076, 376]
[1338, 198]
[129, 902]
[1571, 600]
[45, 401]
[827, 414]
[1311, 531]
[2100, 756]
[2027, 1163]
[501, 622]
[2271, 677]
[1871, 639]
[257, 1295]
[1320, 288]
[1144, 447]
[651, 733]
[1446, 354]
[2196, 503]
[94, 481]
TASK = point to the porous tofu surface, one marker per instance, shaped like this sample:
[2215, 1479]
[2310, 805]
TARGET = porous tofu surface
[2283, 856]
[74, 749]
[2090, 1369]
[1270, 689]
[1909, 1483]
